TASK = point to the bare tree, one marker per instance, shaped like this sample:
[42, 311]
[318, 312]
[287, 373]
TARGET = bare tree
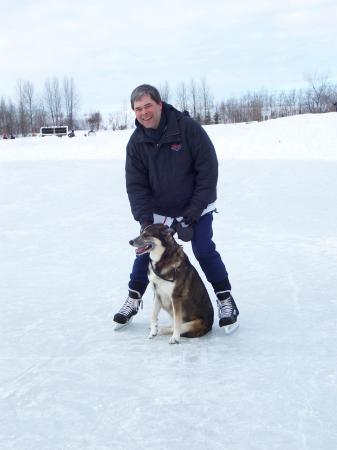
[164, 90]
[244, 109]
[94, 120]
[41, 115]
[114, 121]
[216, 116]
[292, 102]
[3, 117]
[206, 101]
[231, 111]
[194, 98]
[8, 118]
[28, 98]
[22, 112]
[12, 123]
[253, 103]
[50, 101]
[182, 97]
[318, 96]
[71, 100]
[118, 120]
[54, 101]
[3, 111]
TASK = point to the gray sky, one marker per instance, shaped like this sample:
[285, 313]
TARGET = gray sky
[110, 47]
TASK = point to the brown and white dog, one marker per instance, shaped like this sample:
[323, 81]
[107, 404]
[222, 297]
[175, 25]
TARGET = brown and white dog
[178, 287]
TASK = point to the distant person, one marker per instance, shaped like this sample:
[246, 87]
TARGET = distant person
[71, 134]
[5, 136]
[171, 176]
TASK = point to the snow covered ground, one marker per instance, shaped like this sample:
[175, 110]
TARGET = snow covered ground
[69, 381]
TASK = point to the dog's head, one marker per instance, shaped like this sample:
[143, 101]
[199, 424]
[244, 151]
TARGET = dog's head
[153, 237]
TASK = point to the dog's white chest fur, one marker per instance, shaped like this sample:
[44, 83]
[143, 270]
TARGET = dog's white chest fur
[164, 290]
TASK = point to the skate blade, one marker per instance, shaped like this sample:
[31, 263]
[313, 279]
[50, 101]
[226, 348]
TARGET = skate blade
[229, 329]
[118, 326]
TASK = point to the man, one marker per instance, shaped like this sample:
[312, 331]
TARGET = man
[171, 177]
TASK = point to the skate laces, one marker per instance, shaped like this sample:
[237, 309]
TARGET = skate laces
[131, 305]
[225, 306]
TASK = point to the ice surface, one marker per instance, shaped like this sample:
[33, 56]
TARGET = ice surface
[69, 381]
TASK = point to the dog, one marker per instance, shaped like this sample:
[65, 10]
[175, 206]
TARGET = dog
[178, 287]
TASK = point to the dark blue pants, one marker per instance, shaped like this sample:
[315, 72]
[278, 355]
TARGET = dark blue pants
[205, 252]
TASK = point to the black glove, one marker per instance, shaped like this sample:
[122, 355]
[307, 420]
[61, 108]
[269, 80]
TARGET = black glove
[144, 224]
[192, 214]
[185, 233]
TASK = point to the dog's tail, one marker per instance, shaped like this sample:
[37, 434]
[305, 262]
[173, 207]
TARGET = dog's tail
[195, 328]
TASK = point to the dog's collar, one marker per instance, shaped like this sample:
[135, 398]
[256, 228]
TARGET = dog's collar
[161, 276]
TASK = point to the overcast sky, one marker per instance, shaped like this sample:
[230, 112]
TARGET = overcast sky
[110, 47]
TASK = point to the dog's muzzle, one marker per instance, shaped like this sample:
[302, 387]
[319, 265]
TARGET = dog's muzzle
[140, 249]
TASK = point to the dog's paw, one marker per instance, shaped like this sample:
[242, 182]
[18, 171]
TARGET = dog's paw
[153, 332]
[174, 340]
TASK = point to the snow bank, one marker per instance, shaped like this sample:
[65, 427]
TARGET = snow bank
[306, 137]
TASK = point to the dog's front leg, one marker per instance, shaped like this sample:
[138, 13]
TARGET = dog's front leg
[177, 321]
[154, 318]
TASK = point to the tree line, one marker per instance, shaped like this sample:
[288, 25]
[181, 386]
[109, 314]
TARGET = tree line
[59, 105]
[319, 96]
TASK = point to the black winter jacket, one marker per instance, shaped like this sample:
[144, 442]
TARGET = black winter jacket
[180, 171]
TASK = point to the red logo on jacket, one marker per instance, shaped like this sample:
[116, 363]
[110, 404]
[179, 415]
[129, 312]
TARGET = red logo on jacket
[176, 147]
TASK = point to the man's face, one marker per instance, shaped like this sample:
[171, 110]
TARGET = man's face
[147, 111]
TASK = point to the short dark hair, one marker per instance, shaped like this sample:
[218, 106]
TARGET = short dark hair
[144, 89]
